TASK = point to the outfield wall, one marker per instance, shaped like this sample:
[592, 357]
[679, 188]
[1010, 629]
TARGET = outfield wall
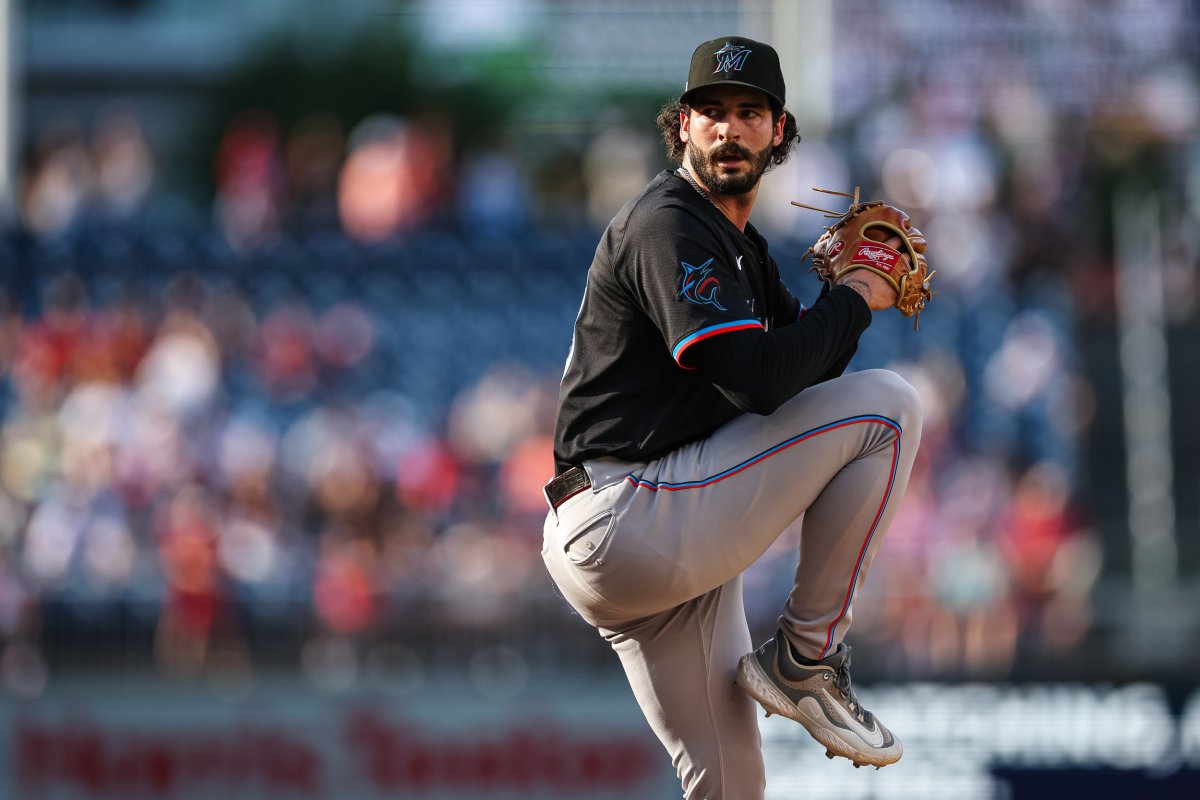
[564, 738]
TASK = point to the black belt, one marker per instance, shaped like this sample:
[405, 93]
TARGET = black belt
[567, 485]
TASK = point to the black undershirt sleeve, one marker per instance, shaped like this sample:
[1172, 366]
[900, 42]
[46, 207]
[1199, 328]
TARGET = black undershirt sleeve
[759, 371]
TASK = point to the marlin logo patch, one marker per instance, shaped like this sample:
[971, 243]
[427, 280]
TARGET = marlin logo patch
[699, 286]
[731, 58]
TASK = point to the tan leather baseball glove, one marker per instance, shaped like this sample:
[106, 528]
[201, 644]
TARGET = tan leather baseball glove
[856, 241]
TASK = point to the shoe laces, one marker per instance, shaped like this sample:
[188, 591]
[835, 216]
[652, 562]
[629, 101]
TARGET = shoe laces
[841, 681]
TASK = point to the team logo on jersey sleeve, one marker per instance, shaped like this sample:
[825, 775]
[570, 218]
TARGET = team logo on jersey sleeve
[699, 286]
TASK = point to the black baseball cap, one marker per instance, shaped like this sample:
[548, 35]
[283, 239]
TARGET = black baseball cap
[739, 61]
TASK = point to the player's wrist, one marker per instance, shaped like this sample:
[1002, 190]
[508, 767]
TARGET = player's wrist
[862, 288]
[873, 288]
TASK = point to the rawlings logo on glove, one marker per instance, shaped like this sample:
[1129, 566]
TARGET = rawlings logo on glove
[884, 258]
[856, 241]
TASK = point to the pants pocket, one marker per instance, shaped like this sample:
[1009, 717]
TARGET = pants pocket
[585, 545]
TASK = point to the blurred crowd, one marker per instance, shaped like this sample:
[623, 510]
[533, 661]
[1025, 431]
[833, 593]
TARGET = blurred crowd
[313, 429]
[223, 469]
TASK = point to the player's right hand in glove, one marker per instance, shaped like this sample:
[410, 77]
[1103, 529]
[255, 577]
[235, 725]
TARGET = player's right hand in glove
[876, 245]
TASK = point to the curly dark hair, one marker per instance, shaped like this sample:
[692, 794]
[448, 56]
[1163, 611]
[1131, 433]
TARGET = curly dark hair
[668, 123]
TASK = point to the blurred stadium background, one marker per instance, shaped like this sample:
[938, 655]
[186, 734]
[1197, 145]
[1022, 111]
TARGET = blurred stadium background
[285, 290]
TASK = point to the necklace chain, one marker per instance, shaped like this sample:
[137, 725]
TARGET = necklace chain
[687, 176]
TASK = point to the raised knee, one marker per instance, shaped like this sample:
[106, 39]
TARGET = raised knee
[897, 398]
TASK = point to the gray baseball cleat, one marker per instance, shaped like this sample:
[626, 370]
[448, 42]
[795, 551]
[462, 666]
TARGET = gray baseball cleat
[820, 698]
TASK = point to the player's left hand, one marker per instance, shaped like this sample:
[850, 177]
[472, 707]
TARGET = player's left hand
[881, 240]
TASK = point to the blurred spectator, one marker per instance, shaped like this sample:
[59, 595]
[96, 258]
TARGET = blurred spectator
[313, 157]
[47, 350]
[344, 336]
[196, 619]
[181, 368]
[345, 604]
[123, 162]
[616, 165]
[394, 177]
[249, 179]
[1031, 385]
[493, 198]
[286, 357]
[427, 477]
[1054, 559]
[523, 475]
[503, 408]
[59, 179]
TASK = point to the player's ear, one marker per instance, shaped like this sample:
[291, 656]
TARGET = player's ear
[779, 125]
[685, 121]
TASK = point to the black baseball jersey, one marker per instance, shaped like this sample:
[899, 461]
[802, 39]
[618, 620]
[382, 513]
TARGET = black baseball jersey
[670, 271]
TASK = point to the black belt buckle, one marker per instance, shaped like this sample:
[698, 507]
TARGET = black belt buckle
[567, 485]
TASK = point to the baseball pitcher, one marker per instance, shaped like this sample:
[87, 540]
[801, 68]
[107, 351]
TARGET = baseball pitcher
[703, 409]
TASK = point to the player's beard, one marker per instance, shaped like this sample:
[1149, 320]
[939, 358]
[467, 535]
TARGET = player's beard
[720, 182]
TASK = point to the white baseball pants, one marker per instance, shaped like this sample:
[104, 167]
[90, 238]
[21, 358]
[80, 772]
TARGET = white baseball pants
[652, 556]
